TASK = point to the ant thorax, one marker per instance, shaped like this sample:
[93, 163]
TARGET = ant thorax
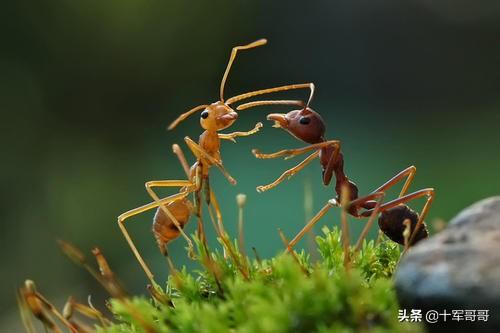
[210, 142]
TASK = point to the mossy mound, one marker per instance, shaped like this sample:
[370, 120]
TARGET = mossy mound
[288, 293]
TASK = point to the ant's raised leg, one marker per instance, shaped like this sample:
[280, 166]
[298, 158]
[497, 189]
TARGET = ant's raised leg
[311, 223]
[288, 173]
[139, 210]
[202, 154]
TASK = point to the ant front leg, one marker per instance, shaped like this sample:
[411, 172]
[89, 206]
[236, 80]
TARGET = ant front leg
[200, 153]
[231, 136]
[288, 173]
[289, 153]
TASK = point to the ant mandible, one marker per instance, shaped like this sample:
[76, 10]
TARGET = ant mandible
[307, 125]
[174, 211]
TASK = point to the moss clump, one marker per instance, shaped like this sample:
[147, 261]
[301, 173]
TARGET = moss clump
[282, 294]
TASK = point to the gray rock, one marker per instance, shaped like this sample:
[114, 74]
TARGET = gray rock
[457, 269]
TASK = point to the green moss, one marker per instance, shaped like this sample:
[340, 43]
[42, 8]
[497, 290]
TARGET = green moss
[279, 295]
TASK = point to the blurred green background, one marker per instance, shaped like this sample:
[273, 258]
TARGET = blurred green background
[87, 89]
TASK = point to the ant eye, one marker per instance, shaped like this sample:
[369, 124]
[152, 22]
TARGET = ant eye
[304, 120]
[204, 114]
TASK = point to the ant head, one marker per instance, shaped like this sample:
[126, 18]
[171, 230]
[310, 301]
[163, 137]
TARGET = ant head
[217, 116]
[306, 124]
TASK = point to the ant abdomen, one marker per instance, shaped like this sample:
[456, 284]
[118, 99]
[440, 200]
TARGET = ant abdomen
[164, 229]
[391, 222]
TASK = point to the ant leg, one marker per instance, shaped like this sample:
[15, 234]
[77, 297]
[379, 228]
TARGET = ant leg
[218, 213]
[409, 173]
[289, 153]
[197, 180]
[310, 224]
[289, 173]
[232, 57]
[422, 215]
[182, 158]
[270, 102]
[220, 231]
[380, 193]
[428, 192]
[379, 196]
[294, 255]
[185, 115]
[231, 136]
[168, 183]
[271, 90]
[202, 154]
[139, 210]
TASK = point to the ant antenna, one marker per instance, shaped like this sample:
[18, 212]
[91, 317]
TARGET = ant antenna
[185, 115]
[282, 102]
[312, 87]
[235, 50]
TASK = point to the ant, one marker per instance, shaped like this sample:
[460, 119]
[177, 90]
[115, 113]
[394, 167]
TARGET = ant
[174, 211]
[307, 125]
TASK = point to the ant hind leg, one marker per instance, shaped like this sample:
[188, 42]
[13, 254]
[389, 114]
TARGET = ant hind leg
[310, 224]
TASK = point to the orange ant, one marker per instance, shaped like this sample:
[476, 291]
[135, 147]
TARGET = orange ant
[307, 125]
[173, 212]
